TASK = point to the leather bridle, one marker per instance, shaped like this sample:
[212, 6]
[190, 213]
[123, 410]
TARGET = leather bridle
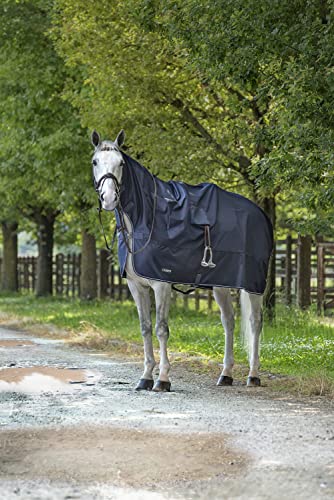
[119, 208]
[99, 184]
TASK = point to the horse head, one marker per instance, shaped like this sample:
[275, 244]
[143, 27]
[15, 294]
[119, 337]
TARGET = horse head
[108, 164]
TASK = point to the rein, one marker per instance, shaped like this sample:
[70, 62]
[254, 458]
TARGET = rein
[119, 208]
[97, 186]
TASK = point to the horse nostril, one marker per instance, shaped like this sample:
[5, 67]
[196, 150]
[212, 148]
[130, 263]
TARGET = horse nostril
[102, 196]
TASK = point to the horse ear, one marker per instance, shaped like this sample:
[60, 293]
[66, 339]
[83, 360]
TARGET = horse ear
[95, 138]
[120, 139]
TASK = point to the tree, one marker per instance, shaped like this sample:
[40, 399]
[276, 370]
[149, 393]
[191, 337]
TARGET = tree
[88, 278]
[9, 278]
[277, 58]
[135, 80]
[43, 146]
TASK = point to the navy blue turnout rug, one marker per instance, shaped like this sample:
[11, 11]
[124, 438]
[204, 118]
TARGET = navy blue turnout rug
[202, 235]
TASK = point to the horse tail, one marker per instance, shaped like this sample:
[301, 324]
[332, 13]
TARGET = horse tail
[247, 317]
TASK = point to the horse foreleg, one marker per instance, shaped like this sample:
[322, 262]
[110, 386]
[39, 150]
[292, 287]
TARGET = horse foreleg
[141, 296]
[224, 301]
[162, 292]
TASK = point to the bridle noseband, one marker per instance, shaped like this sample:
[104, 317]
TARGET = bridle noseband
[101, 181]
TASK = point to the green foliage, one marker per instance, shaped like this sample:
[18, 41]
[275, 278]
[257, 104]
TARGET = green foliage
[278, 55]
[300, 342]
[178, 123]
[43, 148]
[236, 92]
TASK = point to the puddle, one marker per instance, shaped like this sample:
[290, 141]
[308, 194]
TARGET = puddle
[37, 379]
[125, 457]
[15, 343]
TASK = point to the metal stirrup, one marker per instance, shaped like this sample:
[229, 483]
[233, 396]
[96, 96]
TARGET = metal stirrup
[207, 250]
[209, 263]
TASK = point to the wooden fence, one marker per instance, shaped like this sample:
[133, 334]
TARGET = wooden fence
[286, 270]
[325, 276]
[66, 276]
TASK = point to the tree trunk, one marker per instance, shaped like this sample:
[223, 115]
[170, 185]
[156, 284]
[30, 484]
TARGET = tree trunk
[45, 225]
[304, 271]
[103, 266]
[269, 300]
[9, 279]
[88, 279]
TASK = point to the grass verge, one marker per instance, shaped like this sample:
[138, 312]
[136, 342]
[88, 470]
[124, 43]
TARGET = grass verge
[297, 350]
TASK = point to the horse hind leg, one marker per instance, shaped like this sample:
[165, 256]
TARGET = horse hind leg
[141, 296]
[162, 292]
[224, 301]
[251, 311]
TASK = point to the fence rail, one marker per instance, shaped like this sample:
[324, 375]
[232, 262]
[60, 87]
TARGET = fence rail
[67, 268]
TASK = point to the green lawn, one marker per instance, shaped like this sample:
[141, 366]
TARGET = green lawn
[298, 343]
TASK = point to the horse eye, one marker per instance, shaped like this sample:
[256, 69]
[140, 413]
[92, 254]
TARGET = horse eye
[94, 163]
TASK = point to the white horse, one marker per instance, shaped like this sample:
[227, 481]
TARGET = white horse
[107, 173]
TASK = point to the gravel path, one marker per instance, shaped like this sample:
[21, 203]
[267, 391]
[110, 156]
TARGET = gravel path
[101, 439]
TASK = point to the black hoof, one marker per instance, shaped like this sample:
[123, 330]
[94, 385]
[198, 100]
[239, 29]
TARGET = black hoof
[161, 386]
[144, 384]
[225, 380]
[253, 382]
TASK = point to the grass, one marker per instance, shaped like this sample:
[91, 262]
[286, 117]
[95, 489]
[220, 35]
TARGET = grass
[298, 344]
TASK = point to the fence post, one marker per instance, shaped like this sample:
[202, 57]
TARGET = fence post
[288, 270]
[26, 273]
[59, 274]
[210, 300]
[102, 271]
[320, 278]
[68, 274]
[197, 299]
[77, 270]
[33, 272]
[304, 271]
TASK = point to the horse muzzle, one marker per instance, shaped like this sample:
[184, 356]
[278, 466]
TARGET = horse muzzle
[109, 201]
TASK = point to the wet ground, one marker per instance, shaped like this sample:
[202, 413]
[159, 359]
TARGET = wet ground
[72, 426]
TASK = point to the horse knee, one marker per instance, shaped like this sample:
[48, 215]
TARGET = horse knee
[146, 328]
[162, 329]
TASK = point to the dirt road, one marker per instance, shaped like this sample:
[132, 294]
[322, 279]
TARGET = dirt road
[73, 427]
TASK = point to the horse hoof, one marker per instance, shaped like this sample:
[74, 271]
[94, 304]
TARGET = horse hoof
[161, 386]
[144, 384]
[253, 382]
[225, 380]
